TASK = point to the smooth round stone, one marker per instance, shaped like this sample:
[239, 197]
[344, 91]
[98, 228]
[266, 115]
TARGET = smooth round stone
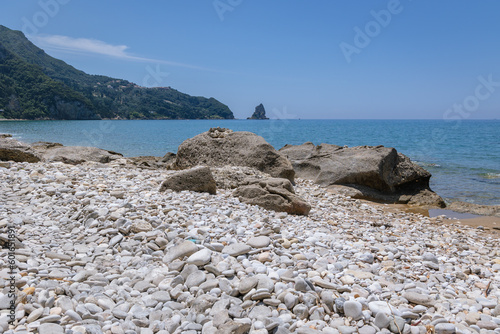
[444, 328]
[339, 304]
[367, 257]
[258, 325]
[367, 330]
[431, 265]
[290, 300]
[382, 320]
[418, 298]
[4, 325]
[397, 324]
[347, 329]
[161, 296]
[380, 306]
[50, 329]
[50, 318]
[264, 257]
[93, 329]
[247, 284]
[142, 286]
[488, 325]
[430, 258]
[34, 315]
[419, 309]
[259, 242]
[195, 279]
[73, 315]
[272, 302]
[260, 312]
[489, 303]
[141, 226]
[106, 303]
[261, 294]
[301, 311]
[200, 258]
[353, 309]
[236, 249]
[116, 239]
[301, 285]
[186, 248]
[119, 313]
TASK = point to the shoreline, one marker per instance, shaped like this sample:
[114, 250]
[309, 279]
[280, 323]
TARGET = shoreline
[453, 205]
[449, 217]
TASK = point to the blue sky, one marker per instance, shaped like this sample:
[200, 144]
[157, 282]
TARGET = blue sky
[407, 59]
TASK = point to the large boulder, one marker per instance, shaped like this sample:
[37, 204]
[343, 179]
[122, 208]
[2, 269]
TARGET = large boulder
[13, 150]
[52, 152]
[197, 179]
[376, 172]
[275, 194]
[220, 147]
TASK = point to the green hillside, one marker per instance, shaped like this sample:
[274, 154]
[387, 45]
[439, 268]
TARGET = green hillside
[34, 85]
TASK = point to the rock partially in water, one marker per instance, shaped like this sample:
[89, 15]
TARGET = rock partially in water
[13, 150]
[374, 172]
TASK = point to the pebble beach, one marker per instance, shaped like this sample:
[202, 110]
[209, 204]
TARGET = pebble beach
[100, 250]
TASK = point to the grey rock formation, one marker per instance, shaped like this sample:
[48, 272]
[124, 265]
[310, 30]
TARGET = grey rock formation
[11, 149]
[485, 210]
[259, 113]
[231, 177]
[52, 152]
[153, 162]
[375, 172]
[197, 179]
[272, 194]
[220, 147]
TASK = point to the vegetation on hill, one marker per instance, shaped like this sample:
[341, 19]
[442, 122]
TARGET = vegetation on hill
[34, 85]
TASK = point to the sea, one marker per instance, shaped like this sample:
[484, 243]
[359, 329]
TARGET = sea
[462, 155]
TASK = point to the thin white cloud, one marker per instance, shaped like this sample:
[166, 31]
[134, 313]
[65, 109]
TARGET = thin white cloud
[94, 46]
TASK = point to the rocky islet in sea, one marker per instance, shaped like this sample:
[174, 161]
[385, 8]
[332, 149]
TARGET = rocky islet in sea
[101, 250]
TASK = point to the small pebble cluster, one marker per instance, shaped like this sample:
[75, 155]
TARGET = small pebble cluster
[101, 250]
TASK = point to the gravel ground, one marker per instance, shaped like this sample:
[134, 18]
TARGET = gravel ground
[101, 250]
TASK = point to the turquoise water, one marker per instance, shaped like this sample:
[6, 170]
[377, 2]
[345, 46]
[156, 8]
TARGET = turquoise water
[463, 157]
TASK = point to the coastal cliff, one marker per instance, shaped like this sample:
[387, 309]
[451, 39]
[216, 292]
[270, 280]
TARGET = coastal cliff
[34, 85]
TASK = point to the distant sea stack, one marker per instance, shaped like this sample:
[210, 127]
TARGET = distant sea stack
[259, 113]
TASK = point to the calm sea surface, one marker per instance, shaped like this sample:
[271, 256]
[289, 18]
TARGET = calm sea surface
[463, 157]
